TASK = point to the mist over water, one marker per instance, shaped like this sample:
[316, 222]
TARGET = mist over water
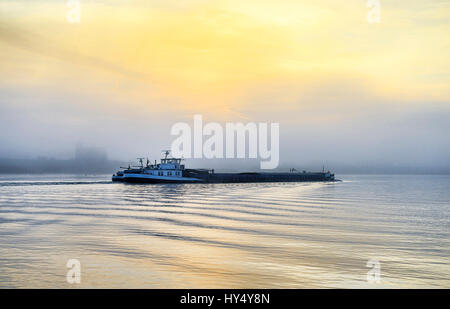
[280, 235]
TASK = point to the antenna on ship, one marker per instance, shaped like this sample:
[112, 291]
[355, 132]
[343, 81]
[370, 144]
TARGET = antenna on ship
[166, 152]
[141, 161]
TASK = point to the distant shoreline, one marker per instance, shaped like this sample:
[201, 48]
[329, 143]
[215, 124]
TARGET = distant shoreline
[99, 166]
[58, 166]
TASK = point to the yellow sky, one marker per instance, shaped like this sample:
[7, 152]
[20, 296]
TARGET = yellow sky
[219, 56]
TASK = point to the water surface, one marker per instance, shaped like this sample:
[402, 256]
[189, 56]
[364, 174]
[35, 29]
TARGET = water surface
[280, 235]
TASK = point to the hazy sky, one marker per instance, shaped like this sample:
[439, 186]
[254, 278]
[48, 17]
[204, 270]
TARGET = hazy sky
[342, 89]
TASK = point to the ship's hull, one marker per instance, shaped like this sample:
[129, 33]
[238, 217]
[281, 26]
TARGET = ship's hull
[267, 177]
[227, 178]
[146, 178]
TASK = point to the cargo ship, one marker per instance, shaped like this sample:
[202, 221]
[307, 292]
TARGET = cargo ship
[170, 170]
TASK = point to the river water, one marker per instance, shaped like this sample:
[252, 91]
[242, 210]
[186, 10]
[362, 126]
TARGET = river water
[278, 235]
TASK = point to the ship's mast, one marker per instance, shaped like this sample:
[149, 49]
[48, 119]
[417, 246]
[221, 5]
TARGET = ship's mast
[166, 153]
[141, 161]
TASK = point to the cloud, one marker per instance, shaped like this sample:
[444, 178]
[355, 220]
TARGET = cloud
[131, 69]
[35, 43]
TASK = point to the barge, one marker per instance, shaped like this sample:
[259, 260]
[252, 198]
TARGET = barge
[170, 170]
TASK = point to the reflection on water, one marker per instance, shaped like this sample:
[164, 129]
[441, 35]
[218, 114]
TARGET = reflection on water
[292, 235]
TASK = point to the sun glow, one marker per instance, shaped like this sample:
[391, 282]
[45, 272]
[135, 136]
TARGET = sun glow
[214, 55]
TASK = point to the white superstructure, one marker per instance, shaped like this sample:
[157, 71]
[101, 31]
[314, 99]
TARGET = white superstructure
[168, 170]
